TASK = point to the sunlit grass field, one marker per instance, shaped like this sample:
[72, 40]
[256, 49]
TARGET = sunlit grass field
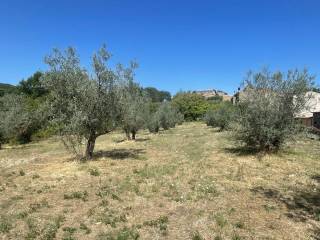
[191, 182]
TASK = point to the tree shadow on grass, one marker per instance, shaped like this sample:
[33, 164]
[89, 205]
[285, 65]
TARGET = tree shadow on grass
[243, 151]
[302, 205]
[136, 140]
[119, 154]
[316, 177]
[142, 139]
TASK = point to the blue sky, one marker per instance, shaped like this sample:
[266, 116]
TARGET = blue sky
[180, 45]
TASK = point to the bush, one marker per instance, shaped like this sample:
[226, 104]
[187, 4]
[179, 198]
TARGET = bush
[268, 105]
[221, 115]
[193, 106]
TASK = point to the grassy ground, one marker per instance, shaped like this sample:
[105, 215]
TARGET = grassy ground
[186, 183]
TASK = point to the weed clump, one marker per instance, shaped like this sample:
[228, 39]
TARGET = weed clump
[161, 223]
[76, 195]
[94, 172]
[196, 236]
[5, 224]
[122, 234]
[85, 228]
[21, 172]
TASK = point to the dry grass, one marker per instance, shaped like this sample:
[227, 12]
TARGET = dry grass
[187, 183]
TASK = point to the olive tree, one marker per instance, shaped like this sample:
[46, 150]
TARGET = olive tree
[134, 103]
[220, 115]
[167, 116]
[82, 105]
[20, 118]
[268, 106]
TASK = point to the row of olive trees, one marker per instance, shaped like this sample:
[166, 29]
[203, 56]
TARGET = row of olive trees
[264, 117]
[84, 105]
[80, 104]
[166, 117]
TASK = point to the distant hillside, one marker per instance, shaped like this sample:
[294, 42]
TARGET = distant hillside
[6, 88]
[213, 93]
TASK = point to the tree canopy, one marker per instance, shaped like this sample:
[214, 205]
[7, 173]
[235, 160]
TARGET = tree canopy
[193, 106]
[268, 106]
[32, 87]
[157, 96]
[83, 105]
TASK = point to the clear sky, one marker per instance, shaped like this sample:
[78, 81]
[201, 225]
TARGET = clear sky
[179, 44]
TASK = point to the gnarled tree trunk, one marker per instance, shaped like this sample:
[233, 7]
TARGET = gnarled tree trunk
[133, 135]
[90, 146]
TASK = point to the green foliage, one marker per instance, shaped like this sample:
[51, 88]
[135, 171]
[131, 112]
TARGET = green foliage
[83, 106]
[135, 106]
[122, 234]
[268, 105]
[76, 195]
[85, 228]
[161, 223]
[220, 220]
[5, 224]
[157, 96]
[94, 172]
[220, 115]
[7, 89]
[316, 89]
[20, 117]
[165, 117]
[32, 87]
[193, 106]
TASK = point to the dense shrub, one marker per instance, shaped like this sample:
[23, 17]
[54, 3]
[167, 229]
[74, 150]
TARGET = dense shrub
[220, 115]
[268, 105]
[193, 106]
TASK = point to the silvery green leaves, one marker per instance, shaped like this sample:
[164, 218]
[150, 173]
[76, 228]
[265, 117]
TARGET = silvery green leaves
[83, 105]
[268, 105]
[20, 117]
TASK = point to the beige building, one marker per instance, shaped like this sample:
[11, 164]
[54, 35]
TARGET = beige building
[310, 115]
[213, 93]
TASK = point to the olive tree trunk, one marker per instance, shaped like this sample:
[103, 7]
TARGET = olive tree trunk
[90, 146]
[133, 135]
